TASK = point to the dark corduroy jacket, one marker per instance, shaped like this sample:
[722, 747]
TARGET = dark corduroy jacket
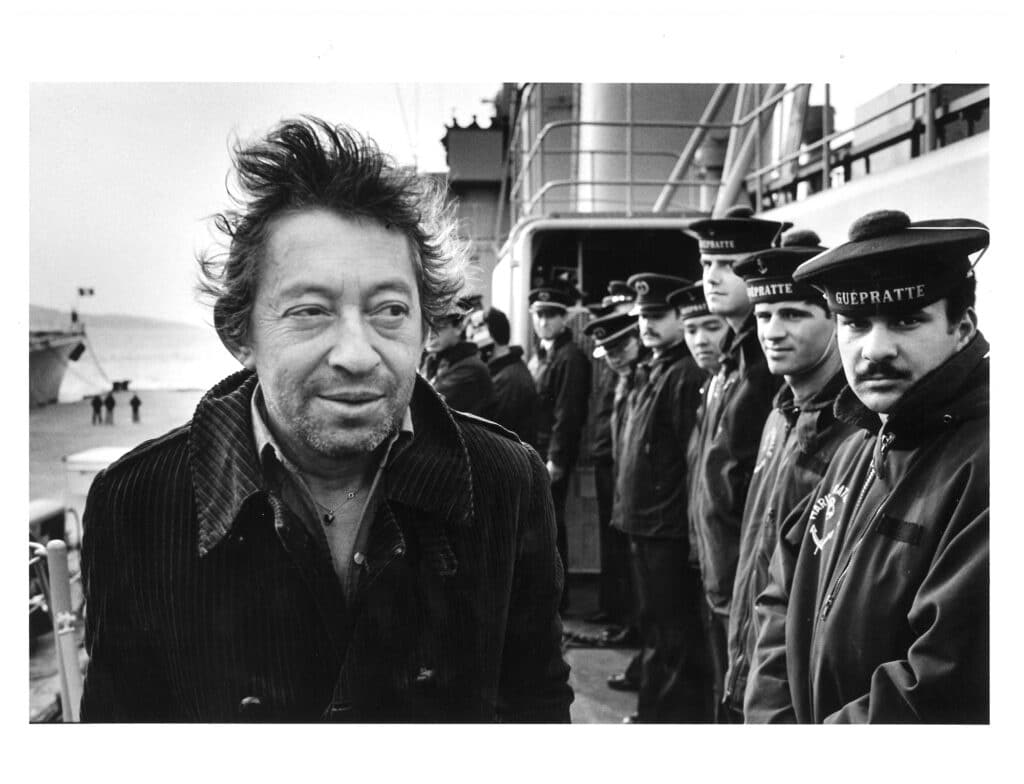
[207, 600]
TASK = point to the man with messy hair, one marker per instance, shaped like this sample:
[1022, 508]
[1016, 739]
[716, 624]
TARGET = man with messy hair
[325, 538]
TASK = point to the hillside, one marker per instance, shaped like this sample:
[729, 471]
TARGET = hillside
[41, 317]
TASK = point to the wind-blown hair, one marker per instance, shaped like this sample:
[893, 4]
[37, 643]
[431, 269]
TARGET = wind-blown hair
[310, 164]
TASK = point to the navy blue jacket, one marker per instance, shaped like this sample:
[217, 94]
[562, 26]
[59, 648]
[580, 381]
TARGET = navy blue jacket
[650, 477]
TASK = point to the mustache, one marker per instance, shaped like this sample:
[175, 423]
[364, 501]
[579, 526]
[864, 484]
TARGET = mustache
[881, 371]
[650, 333]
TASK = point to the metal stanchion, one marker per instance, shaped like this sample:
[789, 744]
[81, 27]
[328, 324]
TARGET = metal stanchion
[64, 624]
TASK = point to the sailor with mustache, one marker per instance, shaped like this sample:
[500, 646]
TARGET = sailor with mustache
[877, 604]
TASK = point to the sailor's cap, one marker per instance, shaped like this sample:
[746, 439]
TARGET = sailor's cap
[736, 233]
[891, 264]
[619, 294]
[690, 300]
[558, 297]
[609, 329]
[652, 291]
[769, 273]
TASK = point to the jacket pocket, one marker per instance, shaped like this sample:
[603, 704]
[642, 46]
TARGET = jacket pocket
[900, 530]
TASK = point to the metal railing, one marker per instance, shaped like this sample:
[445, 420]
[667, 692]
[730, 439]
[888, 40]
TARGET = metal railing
[743, 169]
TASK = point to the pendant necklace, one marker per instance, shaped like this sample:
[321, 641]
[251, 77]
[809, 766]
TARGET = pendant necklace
[329, 513]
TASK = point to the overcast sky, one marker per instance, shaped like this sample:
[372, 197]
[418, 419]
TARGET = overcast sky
[124, 176]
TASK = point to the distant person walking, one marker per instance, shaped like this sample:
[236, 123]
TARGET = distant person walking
[109, 403]
[97, 408]
[135, 403]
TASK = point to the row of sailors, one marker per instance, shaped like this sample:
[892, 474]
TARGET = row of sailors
[797, 474]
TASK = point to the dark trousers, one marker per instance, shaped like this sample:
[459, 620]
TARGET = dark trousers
[615, 590]
[716, 631]
[669, 593]
[559, 494]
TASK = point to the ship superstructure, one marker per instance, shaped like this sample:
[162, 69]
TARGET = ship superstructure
[600, 181]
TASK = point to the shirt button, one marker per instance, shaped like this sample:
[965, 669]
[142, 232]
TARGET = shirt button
[359, 558]
[250, 707]
[399, 550]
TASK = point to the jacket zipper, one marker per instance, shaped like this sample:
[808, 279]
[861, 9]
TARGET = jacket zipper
[885, 441]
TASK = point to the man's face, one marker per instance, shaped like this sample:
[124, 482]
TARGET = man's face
[445, 335]
[883, 356]
[335, 335]
[621, 355]
[548, 323]
[661, 329]
[795, 335]
[724, 290]
[704, 336]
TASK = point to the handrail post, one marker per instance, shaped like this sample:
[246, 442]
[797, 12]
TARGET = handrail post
[64, 629]
[929, 119]
[540, 162]
[629, 149]
[758, 158]
[826, 147]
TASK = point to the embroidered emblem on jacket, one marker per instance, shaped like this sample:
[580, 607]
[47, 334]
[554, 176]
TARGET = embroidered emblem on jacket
[827, 504]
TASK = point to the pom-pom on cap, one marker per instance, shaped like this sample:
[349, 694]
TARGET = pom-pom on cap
[739, 211]
[892, 264]
[801, 238]
[769, 273]
[878, 224]
[736, 233]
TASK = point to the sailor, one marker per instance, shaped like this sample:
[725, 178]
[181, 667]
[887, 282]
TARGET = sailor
[562, 374]
[703, 331]
[515, 395]
[617, 342]
[735, 406]
[453, 366]
[650, 507]
[877, 606]
[797, 334]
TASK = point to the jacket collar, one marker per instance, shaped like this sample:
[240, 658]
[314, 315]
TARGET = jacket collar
[515, 354]
[458, 352]
[742, 346]
[563, 337]
[957, 390]
[432, 473]
[822, 399]
[670, 355]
